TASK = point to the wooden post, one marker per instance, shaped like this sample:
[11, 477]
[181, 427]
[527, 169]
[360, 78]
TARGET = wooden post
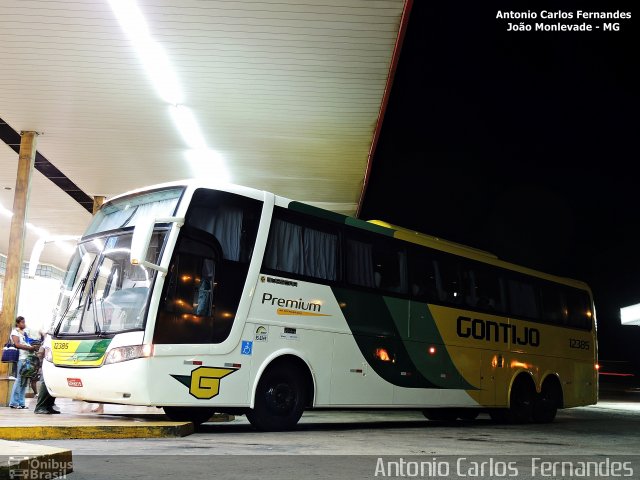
[11, 290]
[97, 203]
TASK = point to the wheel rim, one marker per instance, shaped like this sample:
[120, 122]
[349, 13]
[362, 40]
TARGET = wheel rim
[523, 401]
[281, 398]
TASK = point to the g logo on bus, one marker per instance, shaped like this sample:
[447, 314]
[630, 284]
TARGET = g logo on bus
[204, 382]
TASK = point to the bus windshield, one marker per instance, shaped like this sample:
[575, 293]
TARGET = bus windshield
[102, 292]
[107, 294]
[126, 211]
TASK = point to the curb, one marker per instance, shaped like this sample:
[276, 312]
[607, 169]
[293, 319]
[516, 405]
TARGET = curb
[117, 429]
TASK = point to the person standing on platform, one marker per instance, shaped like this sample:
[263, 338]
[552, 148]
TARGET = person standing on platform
[37, 342]
[19, 387]
[45, 400]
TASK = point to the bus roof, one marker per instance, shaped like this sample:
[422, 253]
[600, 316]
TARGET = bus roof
[473, 253]
[377, 226]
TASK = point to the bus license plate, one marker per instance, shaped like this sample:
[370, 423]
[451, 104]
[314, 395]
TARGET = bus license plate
[74, 382]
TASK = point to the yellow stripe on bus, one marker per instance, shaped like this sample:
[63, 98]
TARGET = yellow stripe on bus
[285, 311]
[64, 352]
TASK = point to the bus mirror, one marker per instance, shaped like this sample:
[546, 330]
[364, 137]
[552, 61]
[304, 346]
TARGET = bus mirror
[142, 237]
[140, 241]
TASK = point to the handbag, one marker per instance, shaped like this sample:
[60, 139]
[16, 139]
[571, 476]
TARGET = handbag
[30, 366]
[10, 353]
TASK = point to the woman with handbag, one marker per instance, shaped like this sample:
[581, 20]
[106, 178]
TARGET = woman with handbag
[19, 387]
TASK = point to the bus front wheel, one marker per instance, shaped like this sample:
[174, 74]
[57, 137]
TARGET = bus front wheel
[280, 399]
[197, 415]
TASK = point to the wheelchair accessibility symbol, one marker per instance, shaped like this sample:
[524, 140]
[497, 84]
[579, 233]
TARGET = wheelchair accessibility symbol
[247, 347]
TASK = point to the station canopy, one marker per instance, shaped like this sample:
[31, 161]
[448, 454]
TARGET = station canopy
[279, 96]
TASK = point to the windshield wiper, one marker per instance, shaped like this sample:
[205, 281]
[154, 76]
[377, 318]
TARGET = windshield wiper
[92, 302]
[79, 288]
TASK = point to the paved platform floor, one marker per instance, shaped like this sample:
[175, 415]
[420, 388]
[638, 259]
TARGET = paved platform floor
[85, 420]
[234, 450]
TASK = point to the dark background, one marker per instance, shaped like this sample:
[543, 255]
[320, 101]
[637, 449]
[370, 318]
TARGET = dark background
[523, 144]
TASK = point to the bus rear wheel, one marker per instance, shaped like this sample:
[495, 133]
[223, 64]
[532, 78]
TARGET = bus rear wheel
[521, 403]
[280, 399]
[196, 415]
[546, 403]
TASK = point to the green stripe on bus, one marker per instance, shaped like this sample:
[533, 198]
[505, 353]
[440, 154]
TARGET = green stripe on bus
[317, 212]
[418, 332]
[371, 227]
[374, 330]
[338, 218]
[98, 347]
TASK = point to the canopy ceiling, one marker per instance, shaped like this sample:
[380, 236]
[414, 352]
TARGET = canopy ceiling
[287, 95]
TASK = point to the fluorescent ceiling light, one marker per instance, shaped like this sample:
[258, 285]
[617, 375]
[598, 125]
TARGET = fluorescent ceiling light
[188, 127]
[209, 164]
[162, 76]
[204, 161]
[630, 315]
[155, 61]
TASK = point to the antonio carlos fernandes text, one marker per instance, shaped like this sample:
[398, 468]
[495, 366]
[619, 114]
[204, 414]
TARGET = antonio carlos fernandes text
[493, 468]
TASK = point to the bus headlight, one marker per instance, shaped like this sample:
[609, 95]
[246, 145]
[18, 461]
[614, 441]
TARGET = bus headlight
[131, 352]
[47, 354]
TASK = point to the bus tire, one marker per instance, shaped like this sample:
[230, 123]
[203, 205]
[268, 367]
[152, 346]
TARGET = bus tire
[547, 402]
[521, 401]
[468, 414]
[196, 415]
[440, 414]
[280, 399]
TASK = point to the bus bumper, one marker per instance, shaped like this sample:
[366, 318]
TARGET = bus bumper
[122, 383]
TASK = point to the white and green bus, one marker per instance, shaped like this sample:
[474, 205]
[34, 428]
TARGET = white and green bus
[200, 299]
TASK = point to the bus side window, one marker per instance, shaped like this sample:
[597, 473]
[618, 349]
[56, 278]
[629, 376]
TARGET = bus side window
[488, 290]
[522, 299]
[191, 286]
[359, 264]
[422, 276]
[233, 220]
[190, 311]
[390, 267]
[302, 250]
[578, 310]
[554, 309]
[448, 282]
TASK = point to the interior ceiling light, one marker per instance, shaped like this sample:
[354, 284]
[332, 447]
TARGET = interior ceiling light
[188, 127]
[153, 58]
[203, 160]
[207, 163]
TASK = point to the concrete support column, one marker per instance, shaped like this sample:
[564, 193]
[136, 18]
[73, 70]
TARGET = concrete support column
[97, 203]
[11, 290]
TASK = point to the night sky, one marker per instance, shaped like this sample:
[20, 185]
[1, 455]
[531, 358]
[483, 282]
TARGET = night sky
[523, 144]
